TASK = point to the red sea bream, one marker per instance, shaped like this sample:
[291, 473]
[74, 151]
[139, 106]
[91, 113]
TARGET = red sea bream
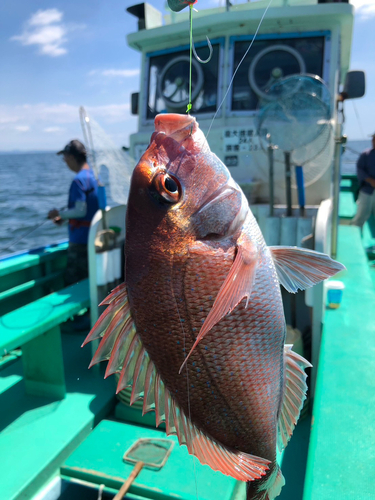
[198, 327]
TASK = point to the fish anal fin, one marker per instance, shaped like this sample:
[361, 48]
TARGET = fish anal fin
[237, 285]
[294, 394]
[241, 466]
[300, 268]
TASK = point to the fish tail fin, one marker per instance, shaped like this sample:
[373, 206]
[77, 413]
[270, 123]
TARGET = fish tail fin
[267, 488]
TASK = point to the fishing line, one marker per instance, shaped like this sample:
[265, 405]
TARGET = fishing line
[187, 379]
[192, 50]
[239, 64]
[189, 106]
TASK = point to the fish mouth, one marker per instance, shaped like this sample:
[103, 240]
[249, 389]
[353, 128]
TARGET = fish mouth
[176, 126]
[220, 194]
[224, 192]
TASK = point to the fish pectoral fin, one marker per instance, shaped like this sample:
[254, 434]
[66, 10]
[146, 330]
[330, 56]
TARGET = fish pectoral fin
[299, 268]
[237, 285]
[294, 395]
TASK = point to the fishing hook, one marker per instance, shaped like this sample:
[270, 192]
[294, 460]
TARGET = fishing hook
[209, 57]
[193, 46]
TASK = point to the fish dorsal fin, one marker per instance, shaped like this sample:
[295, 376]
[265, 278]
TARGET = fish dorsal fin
[237, 285]
[299, 268]
[118, 306]
[123, 349]
[294, 394]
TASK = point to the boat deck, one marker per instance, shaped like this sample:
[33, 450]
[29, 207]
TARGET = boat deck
[341, 451]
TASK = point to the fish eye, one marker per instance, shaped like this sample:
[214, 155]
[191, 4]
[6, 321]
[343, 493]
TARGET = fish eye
[170, 184]
[167, 187]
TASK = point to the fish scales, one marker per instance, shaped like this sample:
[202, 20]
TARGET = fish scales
[222, 369]
[217, 368]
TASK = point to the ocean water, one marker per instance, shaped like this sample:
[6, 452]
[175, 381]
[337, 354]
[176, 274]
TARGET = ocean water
[31, 184]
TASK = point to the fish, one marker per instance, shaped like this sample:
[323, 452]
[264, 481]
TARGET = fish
[198, 329]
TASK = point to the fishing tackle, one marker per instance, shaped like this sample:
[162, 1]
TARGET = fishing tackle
[209, 57]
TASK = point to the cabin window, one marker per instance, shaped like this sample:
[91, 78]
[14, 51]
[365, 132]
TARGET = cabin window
[269, 60]
[168, 81]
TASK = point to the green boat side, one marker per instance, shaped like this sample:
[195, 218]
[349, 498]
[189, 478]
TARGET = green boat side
[28, 276]
[38, 433]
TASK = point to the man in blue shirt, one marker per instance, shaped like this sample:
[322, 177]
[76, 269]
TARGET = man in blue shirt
[366, 178]
[82, 206]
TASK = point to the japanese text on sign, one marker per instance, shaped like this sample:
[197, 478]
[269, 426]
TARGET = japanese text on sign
[240, 139]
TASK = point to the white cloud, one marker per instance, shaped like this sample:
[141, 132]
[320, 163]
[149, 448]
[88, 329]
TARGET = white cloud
[52, 130]
[46, 30]
[47, 16]
[22, 128]
[50, 126]
[60, 114]
[123, 73]
[365, 9]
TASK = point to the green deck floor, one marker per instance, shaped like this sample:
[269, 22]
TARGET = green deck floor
[341, 462]
[347, 206]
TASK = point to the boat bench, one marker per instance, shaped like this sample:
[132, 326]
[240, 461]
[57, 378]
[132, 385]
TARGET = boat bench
[342, 442]
[36, 328]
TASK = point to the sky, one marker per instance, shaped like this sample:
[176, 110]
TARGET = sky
[57, 55]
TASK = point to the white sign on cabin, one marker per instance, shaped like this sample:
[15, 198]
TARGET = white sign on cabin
[239, 139]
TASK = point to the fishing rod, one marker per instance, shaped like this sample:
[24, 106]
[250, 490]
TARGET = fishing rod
[352, 150]
[16, 240]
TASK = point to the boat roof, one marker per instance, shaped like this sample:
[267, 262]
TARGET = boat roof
[243, 19]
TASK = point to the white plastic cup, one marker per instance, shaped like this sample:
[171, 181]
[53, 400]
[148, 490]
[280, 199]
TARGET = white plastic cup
[335, 290]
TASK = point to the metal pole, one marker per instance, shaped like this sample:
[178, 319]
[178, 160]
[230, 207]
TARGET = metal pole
[288, 182]
[339, 140]
[270, 160]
